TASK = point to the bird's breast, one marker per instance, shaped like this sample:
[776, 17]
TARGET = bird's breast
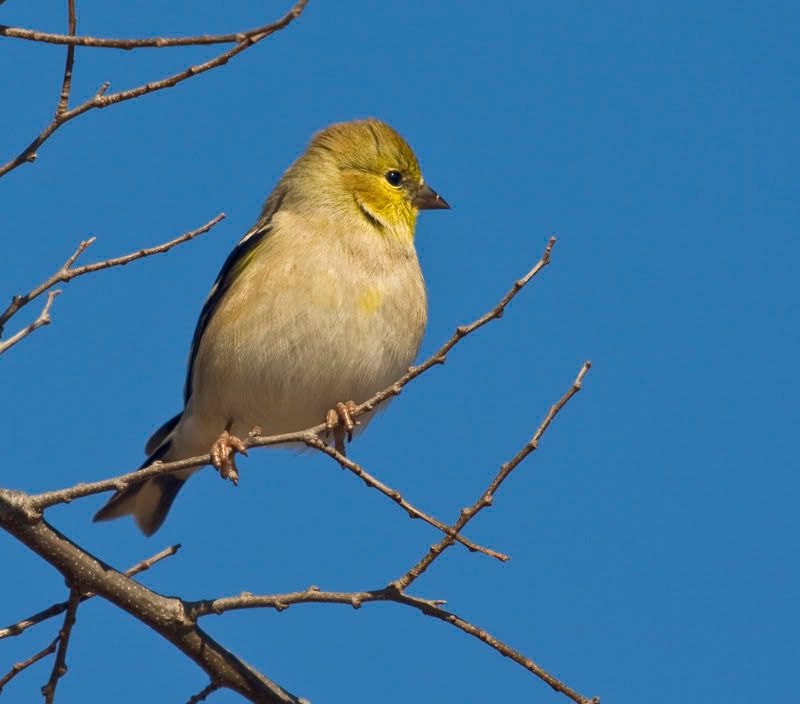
[308, 325]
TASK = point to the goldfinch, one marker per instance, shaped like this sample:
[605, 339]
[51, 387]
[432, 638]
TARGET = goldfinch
[321, 303]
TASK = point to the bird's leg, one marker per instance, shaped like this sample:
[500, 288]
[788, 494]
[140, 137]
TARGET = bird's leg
[340, 421]
[223, 454]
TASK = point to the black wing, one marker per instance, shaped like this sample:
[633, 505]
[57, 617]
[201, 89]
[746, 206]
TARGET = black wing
[227, 275]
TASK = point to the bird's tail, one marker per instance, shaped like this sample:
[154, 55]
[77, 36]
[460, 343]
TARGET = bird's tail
[149, 501]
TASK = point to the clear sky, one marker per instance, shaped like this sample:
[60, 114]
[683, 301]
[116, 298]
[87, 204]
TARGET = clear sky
[654, 537]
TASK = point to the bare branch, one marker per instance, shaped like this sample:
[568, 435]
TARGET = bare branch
[145, 565]
[60, 665]
[129, 44]
[394, 495]
[428, 607]
[498, 645]
[56, 609]
[66, 85]
[487, 498]
[41, 321]
[101, 100]
[66, 273]
[395, 591]
[20, 666]
[164, 615]
[43, 501]
[175, 620]
[203, 693]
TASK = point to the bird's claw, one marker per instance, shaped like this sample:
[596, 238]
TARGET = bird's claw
[223, 455]
[340, 421]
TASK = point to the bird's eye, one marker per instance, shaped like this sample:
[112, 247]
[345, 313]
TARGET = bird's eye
[395, 178]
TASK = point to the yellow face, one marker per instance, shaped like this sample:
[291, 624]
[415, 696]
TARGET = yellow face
[379, 171]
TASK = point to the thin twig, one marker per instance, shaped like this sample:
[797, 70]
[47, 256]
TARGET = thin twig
[67, 272]
[66, 85]
[145, 565]
[60, 665]
[56, 609]
[203, 693]
[20, 666]
[39, 502]
[101, 100]
[429, 607]
[129, 44]
[487, 498]
[394, 495]
[498, 645]
[41, 321]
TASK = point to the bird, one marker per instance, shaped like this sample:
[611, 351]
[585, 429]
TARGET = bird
[320, 305]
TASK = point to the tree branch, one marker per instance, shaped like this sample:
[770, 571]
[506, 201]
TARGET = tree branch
[66, 85]
[21, 515]
[487, 498]
[45, 500]
[164, 615]
[346, 463]
[16, 629]
[203, 693]
[429, 607]
[66, 273]
[60, 665]
[130, 44]
[20, 666]
[101, 100]
[395, 591]
[41, 321]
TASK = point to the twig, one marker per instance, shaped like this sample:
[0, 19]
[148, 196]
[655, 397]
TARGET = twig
[60, 665]
[145, 565]
[498, 645]
[486, 499]
[67, 272]
[129, 44]
[20, 666]
[101, 100]
[39, 502]
[41, 321]
[203, 693]
[428, 607]
[66, 86]
[56, 609]
[394, 495]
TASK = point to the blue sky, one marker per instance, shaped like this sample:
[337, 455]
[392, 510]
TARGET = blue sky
[653, 536]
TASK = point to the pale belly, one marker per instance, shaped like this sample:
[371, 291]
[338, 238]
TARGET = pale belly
[292, 342]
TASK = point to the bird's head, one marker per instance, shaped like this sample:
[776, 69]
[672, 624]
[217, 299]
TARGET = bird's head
[366, 168]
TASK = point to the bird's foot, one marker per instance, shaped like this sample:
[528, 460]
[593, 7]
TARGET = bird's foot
[223, 455]
[340, 421]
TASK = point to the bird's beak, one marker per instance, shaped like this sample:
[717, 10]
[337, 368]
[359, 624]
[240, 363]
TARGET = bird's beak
[428, 199]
